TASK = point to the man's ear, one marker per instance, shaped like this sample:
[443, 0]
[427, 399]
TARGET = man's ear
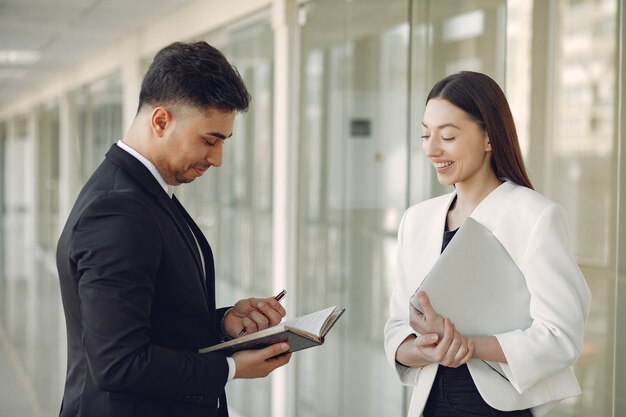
[159, 120]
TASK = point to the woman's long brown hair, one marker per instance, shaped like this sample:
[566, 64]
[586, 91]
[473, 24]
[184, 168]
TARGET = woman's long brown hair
[484, 101]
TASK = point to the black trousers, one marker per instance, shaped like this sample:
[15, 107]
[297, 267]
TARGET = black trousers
[454, 394]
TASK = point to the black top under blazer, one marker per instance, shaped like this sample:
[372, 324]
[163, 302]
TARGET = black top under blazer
[137, 305]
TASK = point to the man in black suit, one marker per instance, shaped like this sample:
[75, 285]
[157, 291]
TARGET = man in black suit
[137, 275]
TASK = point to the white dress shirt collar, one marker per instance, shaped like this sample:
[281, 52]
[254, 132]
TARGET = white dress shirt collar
[169, 189]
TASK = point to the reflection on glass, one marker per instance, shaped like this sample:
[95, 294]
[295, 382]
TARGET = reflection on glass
[518, 62]
[47, 175]
[352, 192]
[466, 25]
[2, 210]
[43, 297]
[582, 179]
[584, 142]
[449, 36]
[97, 113]
[16, 226]
[29, 289]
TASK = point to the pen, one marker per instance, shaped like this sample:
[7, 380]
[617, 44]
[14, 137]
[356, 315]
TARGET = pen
[280, 295]
[277, 298]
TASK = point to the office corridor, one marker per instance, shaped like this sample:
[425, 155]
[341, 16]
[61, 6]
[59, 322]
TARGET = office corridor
[17, 397]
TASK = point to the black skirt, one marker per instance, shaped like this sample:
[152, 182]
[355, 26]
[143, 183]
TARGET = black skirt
[454, 394]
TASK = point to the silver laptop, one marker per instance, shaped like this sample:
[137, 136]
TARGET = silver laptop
[476, 284]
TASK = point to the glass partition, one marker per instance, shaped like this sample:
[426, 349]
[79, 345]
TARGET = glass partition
[47, 184]
[96, 111]
[364, 69]
[352, 192]
[556, 61]
[619, 368]
[450, 36]
[16, 224]
[582, 147]
[3, 135]
[44, 297]
[558, 67]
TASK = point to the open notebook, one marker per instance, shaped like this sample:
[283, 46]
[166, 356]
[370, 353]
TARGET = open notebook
[301, 333]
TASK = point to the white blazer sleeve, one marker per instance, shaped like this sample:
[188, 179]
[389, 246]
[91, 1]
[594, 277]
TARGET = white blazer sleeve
[397, 327]
[559, 305]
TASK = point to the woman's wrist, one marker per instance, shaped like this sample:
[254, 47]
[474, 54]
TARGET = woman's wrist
[488, 348]
[408, 355]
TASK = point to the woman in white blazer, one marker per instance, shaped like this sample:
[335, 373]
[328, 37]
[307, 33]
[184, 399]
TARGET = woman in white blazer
[470, 138]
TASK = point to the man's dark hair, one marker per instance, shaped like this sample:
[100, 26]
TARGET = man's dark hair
[194, 74]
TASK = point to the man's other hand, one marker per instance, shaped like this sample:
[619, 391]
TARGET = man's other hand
[259, 363]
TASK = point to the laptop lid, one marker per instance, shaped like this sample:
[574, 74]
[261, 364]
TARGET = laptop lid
[476, 284]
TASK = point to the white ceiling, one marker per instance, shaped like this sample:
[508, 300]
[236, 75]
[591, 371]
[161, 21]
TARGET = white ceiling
[64, 33]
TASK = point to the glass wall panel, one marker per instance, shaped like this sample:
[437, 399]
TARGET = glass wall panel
[15, 225]
[517, 83]
[44, 298]
[3, 170]
[619, 371]
[31, 301]
[233, 204]
[581, 168]
[365, 69]
[47, 175]
[97, 114]
[352, 192]
[564, 110]
[559, 75]
[449, 36]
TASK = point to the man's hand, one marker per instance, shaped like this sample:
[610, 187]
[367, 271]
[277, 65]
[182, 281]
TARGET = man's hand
[253, 314]
[430, 322]
[259, 363]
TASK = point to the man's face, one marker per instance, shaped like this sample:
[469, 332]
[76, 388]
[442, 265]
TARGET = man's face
[191, 141]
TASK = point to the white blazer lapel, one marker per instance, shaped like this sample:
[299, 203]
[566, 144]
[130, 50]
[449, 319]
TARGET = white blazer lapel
[423, 238]
[493, 213]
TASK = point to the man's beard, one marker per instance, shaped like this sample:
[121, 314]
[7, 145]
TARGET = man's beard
[181, 178]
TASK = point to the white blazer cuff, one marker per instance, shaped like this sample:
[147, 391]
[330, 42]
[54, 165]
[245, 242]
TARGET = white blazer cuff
[515, 370]
[407, 375]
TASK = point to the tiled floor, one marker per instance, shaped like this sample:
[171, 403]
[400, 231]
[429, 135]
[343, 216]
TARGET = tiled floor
[16, 398]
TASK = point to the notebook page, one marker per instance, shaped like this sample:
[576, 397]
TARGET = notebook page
[311, 323]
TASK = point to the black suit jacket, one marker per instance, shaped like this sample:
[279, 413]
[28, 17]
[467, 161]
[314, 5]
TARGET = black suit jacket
[137, 305]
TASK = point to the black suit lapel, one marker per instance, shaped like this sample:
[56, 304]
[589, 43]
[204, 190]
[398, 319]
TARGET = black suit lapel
[184, 227]
[146, 180]
[206, 251]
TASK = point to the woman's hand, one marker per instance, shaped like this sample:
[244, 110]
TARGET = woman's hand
[427, 322]
[451, 350]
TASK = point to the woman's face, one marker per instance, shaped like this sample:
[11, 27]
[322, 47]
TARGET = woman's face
[457, 146]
